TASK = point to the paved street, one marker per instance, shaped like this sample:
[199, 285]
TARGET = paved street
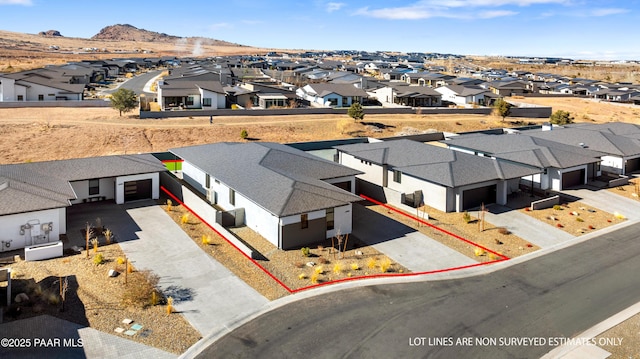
[557, 295]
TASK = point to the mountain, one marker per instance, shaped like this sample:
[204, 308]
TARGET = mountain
[126, 32]
[50, 33]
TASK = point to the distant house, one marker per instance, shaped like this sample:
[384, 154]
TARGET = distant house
[38, 86]
[413, 173]
[191, 92]
[332, 95]
[465, 95]
[402, 94]
[34, 196]
[432, 79]
[289, 197]
[509, 88]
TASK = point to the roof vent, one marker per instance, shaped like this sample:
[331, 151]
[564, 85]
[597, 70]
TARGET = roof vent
[581, 144]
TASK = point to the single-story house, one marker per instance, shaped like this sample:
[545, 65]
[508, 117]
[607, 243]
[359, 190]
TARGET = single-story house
[619, 143]
[414, 173]
[191, 92]
[465, 95]
[407, 95]
[289, 197]
[37, 87]
[332, 95]
[509, 88]
[34, 196]
[560, 166]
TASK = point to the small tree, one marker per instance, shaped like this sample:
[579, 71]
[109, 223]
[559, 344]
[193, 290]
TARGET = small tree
[244, 134]
[124, 100]
[356, 111]
[503, 108]
[561, 117]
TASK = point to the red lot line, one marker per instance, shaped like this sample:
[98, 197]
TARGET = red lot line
[381, 275]
[432, 226]
[170, 161]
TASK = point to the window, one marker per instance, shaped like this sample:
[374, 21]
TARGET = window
[397, 176]
[40, 97]
[216, 181]
[333, 102]
[20, 98]
[207, 181]
[94, 187]
[206, 102]
[232, 197]
[304, 221]
[51, 95]
[190, 101]
[330, 219]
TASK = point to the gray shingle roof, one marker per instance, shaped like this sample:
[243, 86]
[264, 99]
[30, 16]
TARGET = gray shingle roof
[605, 141]
[527, 150]
[283, 180]
[435, 164]
[44, 185]
[340, 89]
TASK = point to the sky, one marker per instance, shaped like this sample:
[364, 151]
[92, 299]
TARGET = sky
[577, 29]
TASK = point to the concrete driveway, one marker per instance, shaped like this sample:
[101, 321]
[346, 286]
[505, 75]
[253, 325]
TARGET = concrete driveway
[403, 244]
[526, 227]
[204, 291]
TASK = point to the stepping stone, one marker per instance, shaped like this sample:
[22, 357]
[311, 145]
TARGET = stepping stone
[130, 333]
[127, 321]
[136, 327]
[119, 330]
[145, 333]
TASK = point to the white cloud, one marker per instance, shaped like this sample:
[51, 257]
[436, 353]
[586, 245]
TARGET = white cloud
[16, 2]
[496, 13]
[219, 25]
[334, 6]
[607, 12]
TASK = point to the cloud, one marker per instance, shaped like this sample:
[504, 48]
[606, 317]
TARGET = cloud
[426, 9]
[219, 25]
[607, 12]
[334, 6]
[16, 2]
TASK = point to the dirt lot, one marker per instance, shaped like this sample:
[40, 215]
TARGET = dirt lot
[587, 110]
[61, 133]
[93, 299]
[575, 218]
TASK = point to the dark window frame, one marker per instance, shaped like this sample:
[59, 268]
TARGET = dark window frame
[94, 186]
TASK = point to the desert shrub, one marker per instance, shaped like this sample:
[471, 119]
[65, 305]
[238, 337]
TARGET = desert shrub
[244, 134]
[479, 252]
[579, 219]
[108, 235]
[305, 251]
[503, 231]
[140, 288]
[492, 256]
[169, 306]
[94, 244]
[372, 263]
[120, 260]
[185, 218]
[557, 207]
[53, 298]
[385, 265]
[337, 268]
[98, 259]
[302, 276]
[466, 217]
[355, 266]
[155, 298]
[206, 239]
[314, 278]
[323, 260]
[169, 205]
[319, 270]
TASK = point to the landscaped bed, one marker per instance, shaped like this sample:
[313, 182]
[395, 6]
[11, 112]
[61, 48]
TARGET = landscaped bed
[575, 218]
[630, 190]
[496, 239]
[288, 266]
[96, 300]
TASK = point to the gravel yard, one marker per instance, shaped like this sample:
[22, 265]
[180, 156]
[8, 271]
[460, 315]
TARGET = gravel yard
[575, 218]
[96, 300]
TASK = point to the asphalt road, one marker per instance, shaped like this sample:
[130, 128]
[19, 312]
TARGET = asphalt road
[136, 84]
[557, 295]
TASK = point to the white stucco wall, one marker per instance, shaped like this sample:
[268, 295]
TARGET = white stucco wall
[217, 100]
[194, 176]
[434, 195]
[81, 188]
[10, 227]
[351, 179]
[342, 220]
[612, 164]
[372, 172]
[49, 93]
[7, 89]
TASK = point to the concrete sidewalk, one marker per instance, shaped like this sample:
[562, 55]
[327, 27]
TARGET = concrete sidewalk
[526, 227]
[403, 244]
[205, 292]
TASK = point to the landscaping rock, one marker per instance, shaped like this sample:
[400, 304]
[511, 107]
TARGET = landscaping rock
[113, 273]
[22, 297]
[310, 264]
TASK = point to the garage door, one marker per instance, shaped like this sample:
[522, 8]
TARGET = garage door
[476, 197]
[136, 190]
[572, 179]
[632, 166]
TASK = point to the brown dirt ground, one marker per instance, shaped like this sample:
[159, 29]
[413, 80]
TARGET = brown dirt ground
[96, 300]
[628, 191]
[629, 332]
[570, 223]
[62, 133]
[587, 110]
